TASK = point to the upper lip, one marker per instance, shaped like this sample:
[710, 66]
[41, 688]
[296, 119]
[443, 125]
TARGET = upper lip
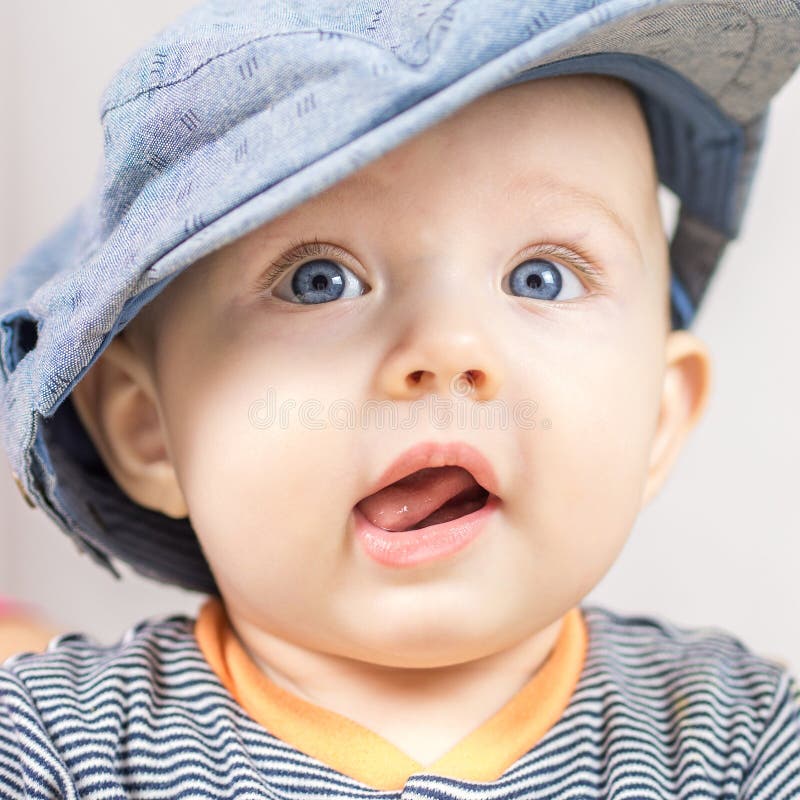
[440, 454]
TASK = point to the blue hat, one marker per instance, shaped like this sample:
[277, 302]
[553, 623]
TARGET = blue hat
[240, 111]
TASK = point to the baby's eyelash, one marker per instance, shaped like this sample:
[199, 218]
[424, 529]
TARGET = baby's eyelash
[582, 260]
[299, 249]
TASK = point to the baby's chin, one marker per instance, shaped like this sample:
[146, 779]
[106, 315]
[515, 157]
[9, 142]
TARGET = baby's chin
[416, 656]
[435, 640]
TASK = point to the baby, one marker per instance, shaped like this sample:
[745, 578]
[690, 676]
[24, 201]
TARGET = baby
[516, 247]
[410, 421]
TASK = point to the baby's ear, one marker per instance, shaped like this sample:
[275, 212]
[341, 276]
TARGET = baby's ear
[116, 401]
[684, 396]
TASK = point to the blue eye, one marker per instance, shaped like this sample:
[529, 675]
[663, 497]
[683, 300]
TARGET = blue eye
[541, 279]
[320, 281]
[323, 278]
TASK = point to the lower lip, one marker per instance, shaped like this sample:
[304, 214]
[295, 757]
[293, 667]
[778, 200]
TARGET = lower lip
[409, 548]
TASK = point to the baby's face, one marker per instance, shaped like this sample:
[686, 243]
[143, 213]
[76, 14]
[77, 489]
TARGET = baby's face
[425, 284]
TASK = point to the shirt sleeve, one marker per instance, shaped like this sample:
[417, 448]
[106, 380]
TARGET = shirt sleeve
[774, 771]
[30, 766]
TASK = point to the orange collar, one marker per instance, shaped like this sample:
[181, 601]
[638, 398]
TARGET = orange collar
[362, 754]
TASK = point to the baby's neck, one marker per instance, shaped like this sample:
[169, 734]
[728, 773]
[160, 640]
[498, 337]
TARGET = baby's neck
[422, 712]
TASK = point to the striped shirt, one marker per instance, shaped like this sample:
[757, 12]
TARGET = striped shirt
[655, 711]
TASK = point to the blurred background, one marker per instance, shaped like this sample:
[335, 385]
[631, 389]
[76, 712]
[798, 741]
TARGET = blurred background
[719, 547]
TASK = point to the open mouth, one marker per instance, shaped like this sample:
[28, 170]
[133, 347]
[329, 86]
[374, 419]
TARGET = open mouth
[426, 497]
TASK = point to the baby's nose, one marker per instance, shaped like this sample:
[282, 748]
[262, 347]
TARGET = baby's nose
[445, 356]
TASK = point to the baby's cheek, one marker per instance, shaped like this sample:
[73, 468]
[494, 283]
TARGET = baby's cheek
[592, 458]
[268, 500]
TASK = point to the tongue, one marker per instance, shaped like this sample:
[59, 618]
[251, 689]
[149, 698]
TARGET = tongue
[403, 504]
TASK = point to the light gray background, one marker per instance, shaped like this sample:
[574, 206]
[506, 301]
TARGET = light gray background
[720, 546]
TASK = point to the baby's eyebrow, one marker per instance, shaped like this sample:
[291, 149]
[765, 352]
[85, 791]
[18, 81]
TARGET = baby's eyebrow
[539, 187]
[542, 188]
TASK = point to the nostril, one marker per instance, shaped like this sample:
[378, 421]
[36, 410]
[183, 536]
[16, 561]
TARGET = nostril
[466, 382]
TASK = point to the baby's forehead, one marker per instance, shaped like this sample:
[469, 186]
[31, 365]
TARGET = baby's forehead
[519, 137]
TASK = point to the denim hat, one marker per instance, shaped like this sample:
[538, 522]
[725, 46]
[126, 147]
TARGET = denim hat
[241, 110]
